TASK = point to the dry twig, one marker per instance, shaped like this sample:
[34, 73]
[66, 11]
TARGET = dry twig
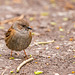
[11, 20]
[3, 72]
[23, 63]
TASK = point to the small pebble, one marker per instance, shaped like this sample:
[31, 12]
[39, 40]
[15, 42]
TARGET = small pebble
[70, 74]
[56, 74]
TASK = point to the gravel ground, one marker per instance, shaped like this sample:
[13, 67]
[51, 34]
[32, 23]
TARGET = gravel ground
[50, 20]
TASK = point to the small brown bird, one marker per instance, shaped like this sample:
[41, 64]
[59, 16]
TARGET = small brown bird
[19, 36]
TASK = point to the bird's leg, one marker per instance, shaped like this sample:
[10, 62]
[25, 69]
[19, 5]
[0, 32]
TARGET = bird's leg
[25, 53]
[11, 52]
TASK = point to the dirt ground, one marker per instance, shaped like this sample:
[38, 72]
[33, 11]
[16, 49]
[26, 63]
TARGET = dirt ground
[50, 20]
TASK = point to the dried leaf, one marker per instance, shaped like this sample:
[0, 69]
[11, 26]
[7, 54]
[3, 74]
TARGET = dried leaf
[36, 62]
[73, 71]
[74, 50]
[7, 2]
[11, 71]
[52, 1]
[73, 0]
[46, 7]
[62, 36]
[47, 63]
[44, 14]
[74, 62]
[1, 27]
[61, 29]
[53, 23]
[74, 56]
[31, 18]
[48, 56]
[30, 55]
[34, 33]
[17, 1]
[47, 30]
[11, 58]
[65, 19]
[38, 72]
[57, 47]
[68, 6]
[71, 39]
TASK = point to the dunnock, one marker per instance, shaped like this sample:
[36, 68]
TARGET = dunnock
[19, 36]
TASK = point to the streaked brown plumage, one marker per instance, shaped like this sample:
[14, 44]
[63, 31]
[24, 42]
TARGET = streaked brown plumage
[19, 36]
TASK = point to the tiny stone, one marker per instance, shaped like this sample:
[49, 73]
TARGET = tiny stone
[56, 73]
[70, 74]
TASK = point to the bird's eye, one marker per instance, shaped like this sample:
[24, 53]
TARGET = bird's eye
[23, 25]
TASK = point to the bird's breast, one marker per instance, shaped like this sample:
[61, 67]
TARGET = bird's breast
[20, 41]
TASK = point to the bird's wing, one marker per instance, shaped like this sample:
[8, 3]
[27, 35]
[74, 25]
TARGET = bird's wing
[9, 34]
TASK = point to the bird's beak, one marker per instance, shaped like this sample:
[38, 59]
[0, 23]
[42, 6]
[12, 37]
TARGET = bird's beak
[29, 28]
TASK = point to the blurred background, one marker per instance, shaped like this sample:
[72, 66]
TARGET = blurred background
[53, 24]
[40, 13]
